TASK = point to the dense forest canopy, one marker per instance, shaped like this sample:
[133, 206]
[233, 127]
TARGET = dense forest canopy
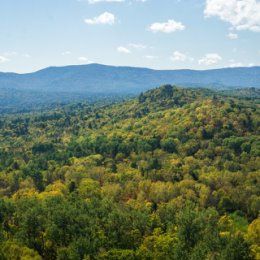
[172, 174]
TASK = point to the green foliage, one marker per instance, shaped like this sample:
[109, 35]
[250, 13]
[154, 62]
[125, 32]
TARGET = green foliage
[118, 254]
[172, 174]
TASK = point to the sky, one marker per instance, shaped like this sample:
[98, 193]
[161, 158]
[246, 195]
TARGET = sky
[159, 34]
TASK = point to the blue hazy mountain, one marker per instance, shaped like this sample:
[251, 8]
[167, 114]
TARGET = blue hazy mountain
[110, 79]
[60, 85]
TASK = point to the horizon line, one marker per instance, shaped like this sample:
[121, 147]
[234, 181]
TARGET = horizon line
[125, 66]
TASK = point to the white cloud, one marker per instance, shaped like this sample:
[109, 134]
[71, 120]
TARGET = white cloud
[26, 55]
[122, 49]
[108, 1]
[232, 36]
[168, 27]
[3, 59]
[235, 65]
[210, 59]
[84, 59]
[137, 46]
[66, 53]
[111, 1]
[105, 18]
[181, 57]
[241, 14]
[178, 56]
[150, 57]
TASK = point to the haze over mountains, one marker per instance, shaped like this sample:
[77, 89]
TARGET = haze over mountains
[102, 78]
[84, 82]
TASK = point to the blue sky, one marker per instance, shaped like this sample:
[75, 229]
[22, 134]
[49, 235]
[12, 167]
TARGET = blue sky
[165, 34]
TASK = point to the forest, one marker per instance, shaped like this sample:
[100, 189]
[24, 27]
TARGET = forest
[173, 174]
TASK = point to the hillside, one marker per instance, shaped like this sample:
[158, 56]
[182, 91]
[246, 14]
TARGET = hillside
[171, 174]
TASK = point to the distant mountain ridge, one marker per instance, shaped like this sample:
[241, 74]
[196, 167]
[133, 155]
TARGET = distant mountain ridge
[96, 78]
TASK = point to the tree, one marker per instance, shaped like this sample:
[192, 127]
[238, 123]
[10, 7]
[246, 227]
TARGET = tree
[168, 145]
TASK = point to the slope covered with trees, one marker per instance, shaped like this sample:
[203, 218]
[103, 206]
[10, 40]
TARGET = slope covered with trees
[172, 174]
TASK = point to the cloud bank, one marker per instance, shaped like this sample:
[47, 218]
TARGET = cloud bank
[241, 14]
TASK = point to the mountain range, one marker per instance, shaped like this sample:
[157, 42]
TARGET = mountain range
[59, 85]
[102, 78]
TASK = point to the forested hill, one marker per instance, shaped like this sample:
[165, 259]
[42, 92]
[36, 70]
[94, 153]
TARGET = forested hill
[172, 174]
